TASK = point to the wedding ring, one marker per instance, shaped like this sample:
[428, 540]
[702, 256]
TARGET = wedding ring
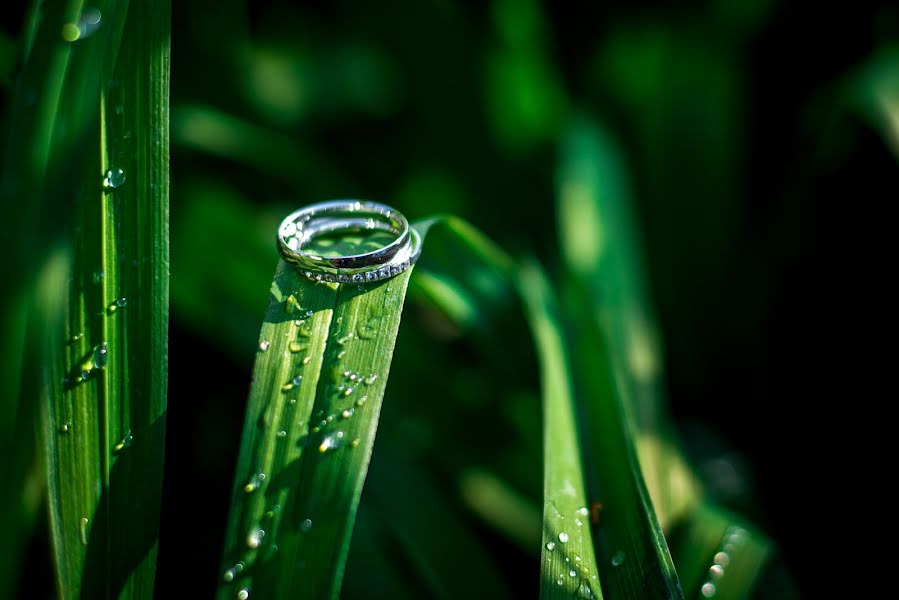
[302, 227]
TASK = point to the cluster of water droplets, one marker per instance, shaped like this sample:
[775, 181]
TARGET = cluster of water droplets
[734, 538]
[575, 573]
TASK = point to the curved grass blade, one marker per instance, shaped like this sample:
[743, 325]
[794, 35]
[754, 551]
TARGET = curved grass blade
[607, 286]
[568, 566]
[103, 427]
[616, 378]
[608, 289]
[319, 380]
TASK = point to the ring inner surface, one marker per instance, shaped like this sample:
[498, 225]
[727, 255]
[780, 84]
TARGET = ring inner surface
[336, 237]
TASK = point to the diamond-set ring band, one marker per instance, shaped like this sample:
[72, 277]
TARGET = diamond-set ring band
[302, 227]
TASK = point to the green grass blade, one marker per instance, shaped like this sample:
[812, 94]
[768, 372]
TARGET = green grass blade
[103, 427]
[52, 112]
[604, 266]
[319, 380]
[607, 288]
[615, 376]
[568, 565]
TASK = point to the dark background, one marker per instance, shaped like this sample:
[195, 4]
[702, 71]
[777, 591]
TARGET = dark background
[762, 170]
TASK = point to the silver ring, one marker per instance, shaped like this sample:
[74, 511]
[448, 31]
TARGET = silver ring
[303, 226]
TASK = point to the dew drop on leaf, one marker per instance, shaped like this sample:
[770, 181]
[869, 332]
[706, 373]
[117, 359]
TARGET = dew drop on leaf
[123, 444]
[114, 179]
[84, 530]
[255, 538]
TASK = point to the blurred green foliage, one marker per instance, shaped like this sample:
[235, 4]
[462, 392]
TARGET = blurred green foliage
[731, 116]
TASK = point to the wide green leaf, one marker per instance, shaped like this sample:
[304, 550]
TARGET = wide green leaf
[323, 359]
[52, 114]
[103, 421]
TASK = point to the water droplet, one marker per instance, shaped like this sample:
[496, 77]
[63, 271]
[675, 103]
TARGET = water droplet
[294, 401]
[291, 305]
[371, 379]
[583, 511]
[341, 354]
[331, 442]
[572, 573]
[722, 558]
[343, 340]
[263, 345]
[349, 391]
[101, 356]
[347, 413]
[125, 443]
[66, 427]
[550, 546]
[228, 576]
[254, 483]
[361, 401]
[563, 537]
[255, 538]
[306, 525]
[296, 380]
[121, 302]
[716, 572]
[282, 434]
[294, 346]
[330, 419]
[114, 179]
[84, 530]
[306, 360]
[617, 558]
[708, 590]
[243, 594]
[368, 330]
